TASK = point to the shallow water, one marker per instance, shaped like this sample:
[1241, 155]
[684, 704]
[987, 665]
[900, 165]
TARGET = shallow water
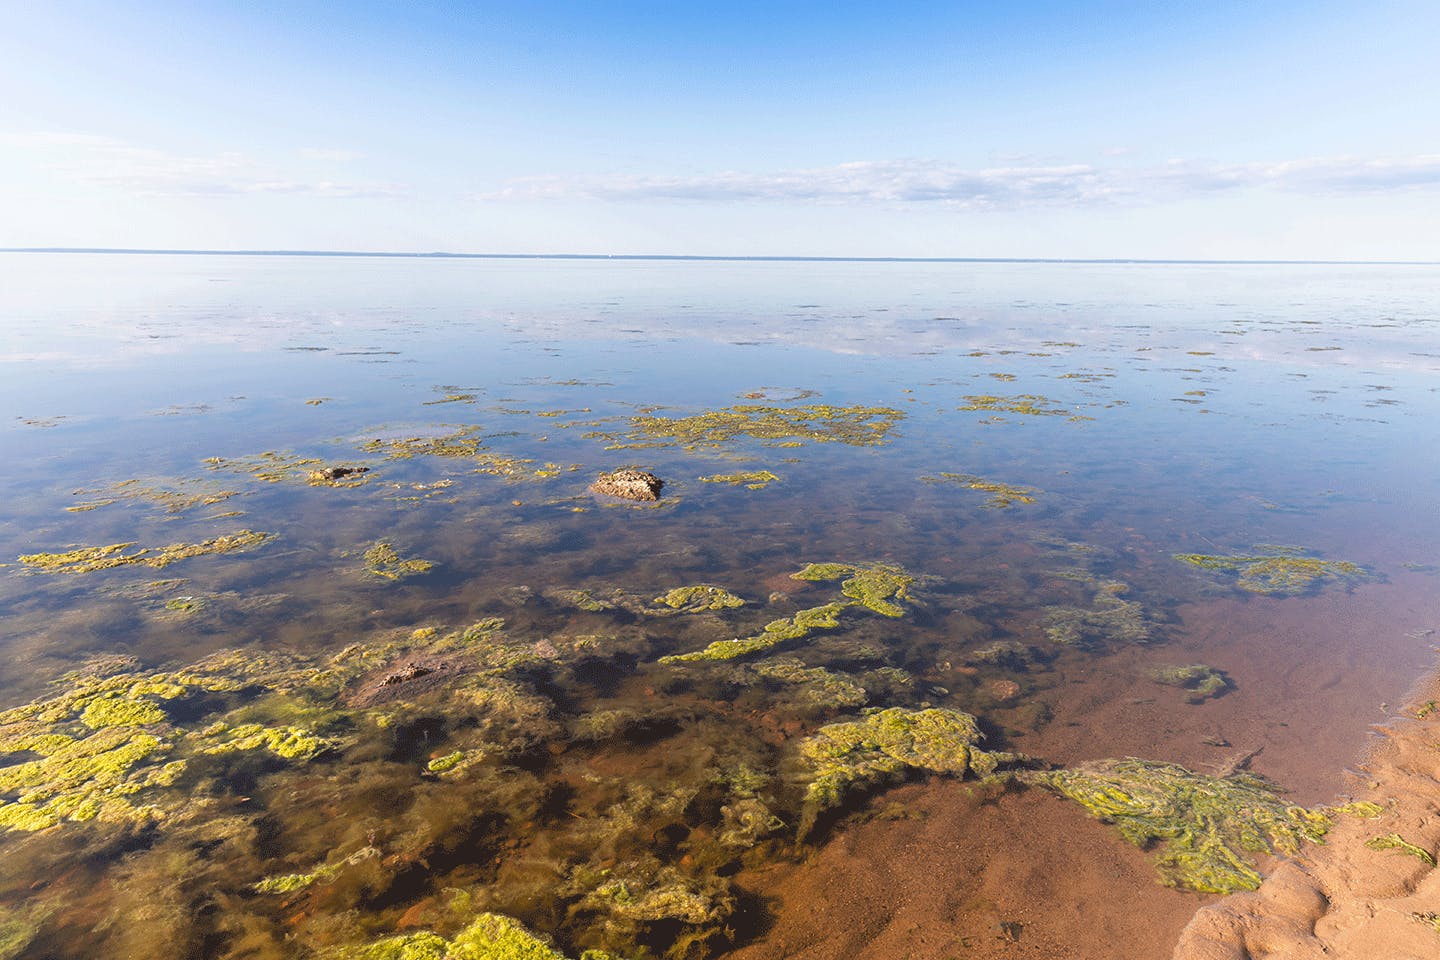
[550, 767]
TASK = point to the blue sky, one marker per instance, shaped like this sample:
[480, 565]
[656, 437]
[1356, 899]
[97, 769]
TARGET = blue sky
[1081, 129]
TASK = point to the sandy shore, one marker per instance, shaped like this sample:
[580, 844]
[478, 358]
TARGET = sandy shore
[1357, 896]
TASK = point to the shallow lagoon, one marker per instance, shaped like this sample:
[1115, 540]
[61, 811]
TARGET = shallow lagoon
[315, 751]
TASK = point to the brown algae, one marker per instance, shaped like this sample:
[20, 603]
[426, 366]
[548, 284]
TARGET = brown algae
[90, 559]
[1206, 827]
[1288, 571]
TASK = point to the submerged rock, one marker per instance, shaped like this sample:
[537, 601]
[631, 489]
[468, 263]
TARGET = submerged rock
[629, 485]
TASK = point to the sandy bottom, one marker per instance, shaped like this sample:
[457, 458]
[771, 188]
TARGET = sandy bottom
[1346, 899]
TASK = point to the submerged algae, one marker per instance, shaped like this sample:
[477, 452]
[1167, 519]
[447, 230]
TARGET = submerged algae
[1206, 826]
[753, 480]
[821, 687]
[1109, 618]
[1393, 841]
[1201, 682]
[1287, 571]
[776, 632]
[872, 587]
[491, 936]
[89, 559]
[1002, 495]
[885, 745]
[382, 560]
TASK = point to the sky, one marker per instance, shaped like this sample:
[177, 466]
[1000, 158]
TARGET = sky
[1218, 130]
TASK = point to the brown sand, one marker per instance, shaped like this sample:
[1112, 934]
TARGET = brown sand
[1344, 899]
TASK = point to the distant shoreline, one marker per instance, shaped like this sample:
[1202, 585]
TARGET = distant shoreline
[443, 255]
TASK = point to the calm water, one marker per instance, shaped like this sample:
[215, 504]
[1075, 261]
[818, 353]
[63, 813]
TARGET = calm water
[495, 731]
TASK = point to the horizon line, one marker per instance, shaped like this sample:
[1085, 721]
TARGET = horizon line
[449, 255]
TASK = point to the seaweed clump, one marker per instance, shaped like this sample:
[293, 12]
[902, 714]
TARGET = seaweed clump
[873, 587]
[382, 560]
[90, 559]
[1201, 682]
[1109, 617]
[1207, 827]
[776, 632]
[491, 936]
[1025, 405]
[1393, 841]
[884, 746]
[1002, 495]
[817, 423]
[1288, 571]
[699, 597]
[753, 480]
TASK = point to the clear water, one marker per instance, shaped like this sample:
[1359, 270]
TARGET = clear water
[1193, 409]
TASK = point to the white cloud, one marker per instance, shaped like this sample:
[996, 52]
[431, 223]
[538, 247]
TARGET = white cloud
[150, 172]
[1002, 187]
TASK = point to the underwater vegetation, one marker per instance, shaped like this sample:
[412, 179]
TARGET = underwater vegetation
[1025, 405]
[1205, 827]
[90, 559]
[699, 597]
[174, 498]
[874, 588]
[101, 748]
[1002, 495]
[753, 480]
[382, 560]
[1287, 571]
[466, 443]
[490, 937]
[1110, 617]
[1200, 682]
[843, 757]
[814, 423]
[821, 688]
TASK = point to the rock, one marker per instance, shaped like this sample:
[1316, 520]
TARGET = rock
[629, 485]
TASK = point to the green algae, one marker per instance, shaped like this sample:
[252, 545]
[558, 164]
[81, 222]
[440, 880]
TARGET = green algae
[1025, 405]
[382, 560]
[120, 711]
[1002, 495]
[1288, 571]
[294, 882]
[873, 587]
[813, 423]
[1393, 841]
[1364, 809]
[843, 757]
[490, 936]
[822, 688]
[752, 480]
[776, 632]
[174, 498]
[699, 597]
[1206, 827]
[1201, 682]
[90, 559]
[1110, 617]
[290, 743]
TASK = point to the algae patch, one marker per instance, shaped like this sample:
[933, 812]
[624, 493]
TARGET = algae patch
[491, 936]
[382, 560]
[753, 480]
[1002, 495]
[814, 423]
[1287, 571]
[1201, 682]
[699, 597]
[90, 559]
[1206, 827]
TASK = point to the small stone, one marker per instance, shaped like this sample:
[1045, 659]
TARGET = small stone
[629, 485]
[1003, 690]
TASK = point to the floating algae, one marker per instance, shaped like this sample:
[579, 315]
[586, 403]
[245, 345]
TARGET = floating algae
[872, 587]
[174, 498]
[1287, 571]
[1393, 841]
[275, 467]
[886, 745]
[90, 559]
[491, 936]
[1201, 682]
[1002, 495]
[1206, 827]
[1025, 405]
[700, 597]
[382, 560]
[815, 423]
[753, 480]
